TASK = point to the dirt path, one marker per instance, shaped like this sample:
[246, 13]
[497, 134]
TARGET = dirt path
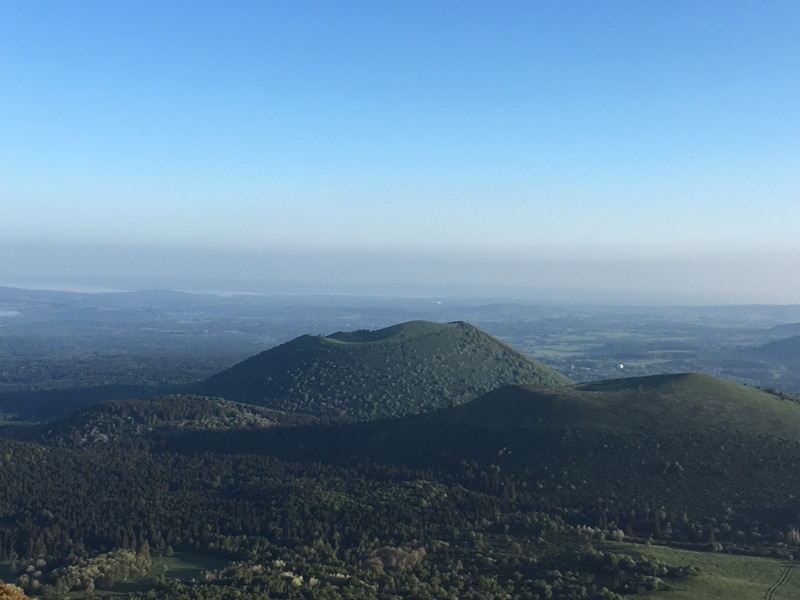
[781, 580]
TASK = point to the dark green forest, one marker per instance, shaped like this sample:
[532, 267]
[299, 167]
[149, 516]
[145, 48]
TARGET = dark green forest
[298, 509]
[532, 491]
[353, 531]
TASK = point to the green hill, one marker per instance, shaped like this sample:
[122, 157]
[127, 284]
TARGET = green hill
[785, 351]
[689, 451]
[686, 458]
[658, 404]
[405, 369]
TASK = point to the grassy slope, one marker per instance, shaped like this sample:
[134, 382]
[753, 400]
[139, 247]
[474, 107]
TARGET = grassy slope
[405, 369]
[724, 576]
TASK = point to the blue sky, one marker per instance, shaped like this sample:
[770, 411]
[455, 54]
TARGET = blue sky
[648, 147]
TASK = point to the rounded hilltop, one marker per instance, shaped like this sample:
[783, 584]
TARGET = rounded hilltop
[404, 369]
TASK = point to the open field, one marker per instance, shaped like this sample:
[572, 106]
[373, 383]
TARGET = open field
[182, 566]
[727, 576]
[187, 565]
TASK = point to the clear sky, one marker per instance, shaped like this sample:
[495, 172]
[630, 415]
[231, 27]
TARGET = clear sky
[642, 147]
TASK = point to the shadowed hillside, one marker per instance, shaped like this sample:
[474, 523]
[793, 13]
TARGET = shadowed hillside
[776, 363]
[785, 351]
[686, 457]
[657, 449]
[405, 369]
[544, 471]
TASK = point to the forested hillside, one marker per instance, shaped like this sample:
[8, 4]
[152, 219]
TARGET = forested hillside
[405, 369]
[89, 517]
[525, 491]
[415, 490]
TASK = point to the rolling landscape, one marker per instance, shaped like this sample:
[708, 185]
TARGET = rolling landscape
[414, 459]
[399, 300]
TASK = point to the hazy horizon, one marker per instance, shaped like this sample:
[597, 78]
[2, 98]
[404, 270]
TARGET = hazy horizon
[641, 150]
[625, 280]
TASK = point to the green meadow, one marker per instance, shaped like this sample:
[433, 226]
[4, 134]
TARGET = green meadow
[727, 576]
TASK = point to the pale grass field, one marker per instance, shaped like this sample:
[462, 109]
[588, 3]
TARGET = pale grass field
[728, 577]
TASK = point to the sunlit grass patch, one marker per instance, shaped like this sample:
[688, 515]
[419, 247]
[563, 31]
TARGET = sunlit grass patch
[727, 576]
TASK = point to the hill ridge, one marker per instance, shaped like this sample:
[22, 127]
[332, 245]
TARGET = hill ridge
[396, 333]
[673, 401]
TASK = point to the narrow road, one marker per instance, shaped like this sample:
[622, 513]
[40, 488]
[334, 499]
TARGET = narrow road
[781, 580]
